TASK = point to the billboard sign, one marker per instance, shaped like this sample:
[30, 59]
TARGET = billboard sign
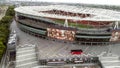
[115, 36]
[61, 34]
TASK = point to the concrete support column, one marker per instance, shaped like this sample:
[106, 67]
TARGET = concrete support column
[66, 23]
[116, 25]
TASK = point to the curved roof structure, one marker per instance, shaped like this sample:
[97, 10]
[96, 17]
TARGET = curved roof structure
[99, 14]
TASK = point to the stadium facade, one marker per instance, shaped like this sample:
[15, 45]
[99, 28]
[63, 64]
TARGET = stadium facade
[83, 25]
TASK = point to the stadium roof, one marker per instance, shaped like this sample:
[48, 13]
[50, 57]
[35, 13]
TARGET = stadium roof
[99, 14]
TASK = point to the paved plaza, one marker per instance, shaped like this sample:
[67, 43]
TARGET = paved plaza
[48, 49]
[51, 49]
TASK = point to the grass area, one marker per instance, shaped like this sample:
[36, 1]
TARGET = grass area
[4, 28]
[73, 24]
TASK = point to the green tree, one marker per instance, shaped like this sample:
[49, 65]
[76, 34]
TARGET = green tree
[4, 28]
[2, 47]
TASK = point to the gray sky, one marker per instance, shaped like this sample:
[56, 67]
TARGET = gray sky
[107, 2]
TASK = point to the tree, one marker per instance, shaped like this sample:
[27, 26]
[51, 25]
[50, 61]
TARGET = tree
[2, 47]
[4, 28]
[6, 19]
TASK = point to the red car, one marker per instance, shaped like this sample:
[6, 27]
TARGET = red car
[76, 52]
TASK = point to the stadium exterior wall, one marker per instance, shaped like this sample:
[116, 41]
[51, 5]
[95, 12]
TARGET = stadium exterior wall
[82, 36]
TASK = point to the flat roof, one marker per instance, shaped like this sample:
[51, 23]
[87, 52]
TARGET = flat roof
[99, 14]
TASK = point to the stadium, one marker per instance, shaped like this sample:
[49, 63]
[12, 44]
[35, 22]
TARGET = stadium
[71, 28]
[89, 26]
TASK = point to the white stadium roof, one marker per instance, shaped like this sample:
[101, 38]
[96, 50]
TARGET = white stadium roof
[99, 14]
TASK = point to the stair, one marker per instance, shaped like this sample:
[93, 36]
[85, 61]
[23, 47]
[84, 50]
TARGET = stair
[26, 57]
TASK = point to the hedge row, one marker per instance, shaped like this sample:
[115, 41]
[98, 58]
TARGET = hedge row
[4, 28]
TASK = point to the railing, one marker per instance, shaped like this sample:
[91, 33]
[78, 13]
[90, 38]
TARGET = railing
[36, 17]
[71, 60]
[32, 29]
[4, 60]
[33, 24]
[94, 31]
[81, 29]
[92, 36]
[37, 52]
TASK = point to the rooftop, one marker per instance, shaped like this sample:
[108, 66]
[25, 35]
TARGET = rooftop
[99, 14]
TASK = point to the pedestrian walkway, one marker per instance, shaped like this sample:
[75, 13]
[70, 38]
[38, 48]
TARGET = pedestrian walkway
[26, 57]
[110, 62]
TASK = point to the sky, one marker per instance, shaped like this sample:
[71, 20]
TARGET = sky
[103, 2]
